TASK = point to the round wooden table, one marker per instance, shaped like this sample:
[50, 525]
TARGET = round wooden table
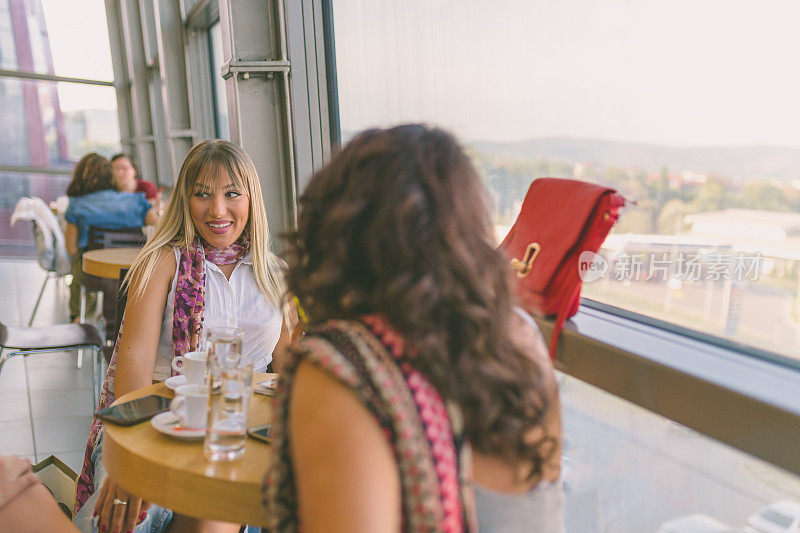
[175, 474]
[107, 263]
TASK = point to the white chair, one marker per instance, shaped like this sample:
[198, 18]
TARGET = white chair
[51, 250]
[55, 338]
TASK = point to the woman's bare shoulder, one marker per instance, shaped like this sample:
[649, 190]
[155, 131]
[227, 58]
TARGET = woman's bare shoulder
[528, 338]
[162, 273]
[166, 263]
[341, 456]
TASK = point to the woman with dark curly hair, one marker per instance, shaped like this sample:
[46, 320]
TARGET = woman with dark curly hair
[414, 354]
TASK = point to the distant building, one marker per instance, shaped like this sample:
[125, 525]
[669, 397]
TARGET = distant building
[739, 224]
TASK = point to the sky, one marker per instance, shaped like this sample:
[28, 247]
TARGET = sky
[676, 72]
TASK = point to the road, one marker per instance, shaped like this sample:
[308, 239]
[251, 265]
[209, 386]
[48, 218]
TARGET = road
[765, 320]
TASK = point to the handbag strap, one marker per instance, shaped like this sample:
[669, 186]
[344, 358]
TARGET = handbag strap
[561, 317]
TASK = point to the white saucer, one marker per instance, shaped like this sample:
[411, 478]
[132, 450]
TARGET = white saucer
[176, 381]
[168, 424]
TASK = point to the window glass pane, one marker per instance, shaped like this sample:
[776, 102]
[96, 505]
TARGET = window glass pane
[626, 469]
[687, 108]
[220, 99]
[17, 241]
[61, 37]
[46, 124]
[8, 50]
[70, 38]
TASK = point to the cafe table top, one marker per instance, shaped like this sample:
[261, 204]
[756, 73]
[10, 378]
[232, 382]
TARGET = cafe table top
[107, 262]
[174, 473]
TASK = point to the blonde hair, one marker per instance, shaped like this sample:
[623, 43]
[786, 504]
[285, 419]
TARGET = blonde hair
[176, 227]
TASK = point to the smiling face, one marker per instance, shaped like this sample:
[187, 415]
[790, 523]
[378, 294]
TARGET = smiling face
[124, 174]
[219, 207]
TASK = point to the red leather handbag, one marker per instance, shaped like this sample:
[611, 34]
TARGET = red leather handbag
[560, 219]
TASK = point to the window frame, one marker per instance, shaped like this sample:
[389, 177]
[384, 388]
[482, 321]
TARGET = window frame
[748, 401]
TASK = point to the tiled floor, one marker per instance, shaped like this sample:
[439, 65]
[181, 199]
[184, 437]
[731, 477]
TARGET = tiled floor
[45, 401]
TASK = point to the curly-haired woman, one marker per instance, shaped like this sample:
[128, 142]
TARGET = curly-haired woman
[414, 355]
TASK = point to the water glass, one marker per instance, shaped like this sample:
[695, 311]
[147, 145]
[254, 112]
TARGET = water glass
[225, 344]
[224, 347]
[228, 405]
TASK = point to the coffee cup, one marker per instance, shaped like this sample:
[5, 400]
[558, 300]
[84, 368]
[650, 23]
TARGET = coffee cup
[190, 405]
[192, 365]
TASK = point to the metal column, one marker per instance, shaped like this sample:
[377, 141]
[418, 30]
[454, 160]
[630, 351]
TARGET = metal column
[257, 86]
[153, 94]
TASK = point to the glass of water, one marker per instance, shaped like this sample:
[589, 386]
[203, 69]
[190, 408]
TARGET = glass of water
[230, 387]
[226, 430]
[225, 344]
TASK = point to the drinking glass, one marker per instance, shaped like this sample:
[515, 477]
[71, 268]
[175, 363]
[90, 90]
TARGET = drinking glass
[230, 387]
[225, 344]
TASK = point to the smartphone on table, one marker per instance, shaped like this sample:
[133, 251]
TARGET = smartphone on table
[135, 411]
[261, 432]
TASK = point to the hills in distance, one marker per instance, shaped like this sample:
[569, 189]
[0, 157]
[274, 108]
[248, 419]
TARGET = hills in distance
[739, 163]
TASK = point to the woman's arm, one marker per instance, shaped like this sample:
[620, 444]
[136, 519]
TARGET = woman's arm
[280, 354]
[25, 505]
[151, 218]
[143, 315]
[33, 511]
[135, 364]
[71, 239]
[342, 460]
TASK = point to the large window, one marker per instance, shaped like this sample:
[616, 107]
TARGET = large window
[687, 108]
[47, 124]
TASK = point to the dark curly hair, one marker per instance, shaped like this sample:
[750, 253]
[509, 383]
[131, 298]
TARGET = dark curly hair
[397, 224]
[91, 174]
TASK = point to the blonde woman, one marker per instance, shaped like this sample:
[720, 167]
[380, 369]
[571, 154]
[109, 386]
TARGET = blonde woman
[208, 264]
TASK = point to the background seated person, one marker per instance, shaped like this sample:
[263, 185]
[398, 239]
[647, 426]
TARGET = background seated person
[127, 179]
[414, 350]
[207, 265]
[93, 201]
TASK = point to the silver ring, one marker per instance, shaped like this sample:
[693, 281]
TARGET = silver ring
[117, 501]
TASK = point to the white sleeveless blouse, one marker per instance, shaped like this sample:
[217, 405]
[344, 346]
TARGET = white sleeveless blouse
[234, 302]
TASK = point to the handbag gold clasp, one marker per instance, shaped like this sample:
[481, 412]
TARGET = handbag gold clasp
[523, 267]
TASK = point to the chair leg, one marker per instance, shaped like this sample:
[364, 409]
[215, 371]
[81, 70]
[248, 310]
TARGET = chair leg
[4, 358]
[82, 319]
[39, 299]
[83, 302]
[95, 378]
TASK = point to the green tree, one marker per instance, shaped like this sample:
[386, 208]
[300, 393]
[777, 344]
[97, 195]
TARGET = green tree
[764, 196]
[670, 218]
[712, 196]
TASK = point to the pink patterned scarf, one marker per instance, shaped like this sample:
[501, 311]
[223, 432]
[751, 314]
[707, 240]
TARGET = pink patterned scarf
[187, 333]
